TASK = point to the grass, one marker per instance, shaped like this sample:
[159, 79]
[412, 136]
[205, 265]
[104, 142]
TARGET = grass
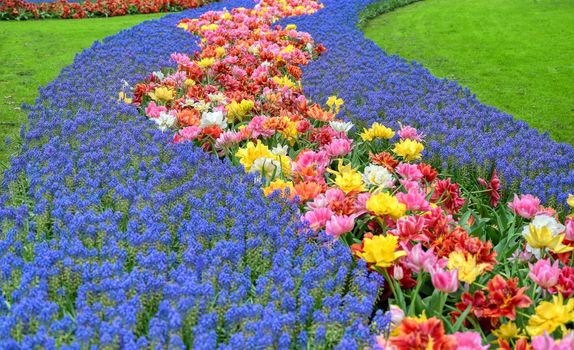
[517, 55]
[34, 52]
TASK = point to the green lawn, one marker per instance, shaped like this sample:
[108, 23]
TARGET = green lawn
[34, 52]
[517, 55]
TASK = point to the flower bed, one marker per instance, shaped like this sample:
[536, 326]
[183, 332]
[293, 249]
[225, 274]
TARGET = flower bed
[240, 97]
[70, 9]
[113, 235]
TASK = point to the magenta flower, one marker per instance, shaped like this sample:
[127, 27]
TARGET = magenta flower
[546, 342]
[408, 132]
[317, 218]
[569, 223]
[469, 341]
[544, 274]
[411, 228]
[153, 111]
[444, 280]
[338, 225]
[338, 148]
[417, 259]
[409, 171]
[526, 205]
[187, 134]
[414, 199]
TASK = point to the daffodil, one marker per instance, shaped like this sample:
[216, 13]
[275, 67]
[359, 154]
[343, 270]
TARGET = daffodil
[124, 98]
[239, 110]
[211, 26]
[383, 203]
[465, 263]
[289, 132]
[408, 149]
[334, 104]
[288, 49]
[347, 178]
[251, 152]
[162, 94]
[219, 51]
[284, 81]
[508, 331]
[377, 131]
[550, 316]
[206, 62]
[380, 250]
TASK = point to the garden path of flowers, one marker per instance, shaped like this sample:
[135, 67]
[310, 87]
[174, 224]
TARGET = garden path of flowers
[115, 234]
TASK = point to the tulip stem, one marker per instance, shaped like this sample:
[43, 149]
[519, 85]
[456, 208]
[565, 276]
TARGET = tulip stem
[415, 292]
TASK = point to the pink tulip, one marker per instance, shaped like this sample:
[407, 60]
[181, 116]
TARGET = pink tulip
[417, 259]
[408, 132]
[334, 195]
[227, 139]
[469, 341]
[569, 229]
[544, 274]
[153, 111]
[340, 224]
[257, 127]
[187, 134]
[361, 203]
[338, 148]
[409, 171]
[317, 218]
[546, 342]
[414, 199]
[181, 59]
[411, 227]
[526, 205]
[444, 280]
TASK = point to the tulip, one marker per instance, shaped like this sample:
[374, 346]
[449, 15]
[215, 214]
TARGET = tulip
[444, 280]
[544, 274]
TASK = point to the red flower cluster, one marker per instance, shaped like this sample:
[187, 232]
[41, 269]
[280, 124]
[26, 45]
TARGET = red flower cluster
[21, 9]
[503, 298]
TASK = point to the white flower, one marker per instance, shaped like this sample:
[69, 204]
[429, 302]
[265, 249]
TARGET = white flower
[253, 49]
[213, 118]
[218, 98]
[165, 121]
[379, 176]
[159, 75]
[309, 47]
[268, 168]
[341, 126]
[201, 106]
[266, 64]
[539, 222]
[547, 221]
[280, 150]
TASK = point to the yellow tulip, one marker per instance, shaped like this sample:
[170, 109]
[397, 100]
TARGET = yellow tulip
[386, 204]
[409, 149]
[380, 250]
[377, 131]
[542, 237]
[162, 94]
[550, 316]
[251, 152]
[468, 269]
[347, 178]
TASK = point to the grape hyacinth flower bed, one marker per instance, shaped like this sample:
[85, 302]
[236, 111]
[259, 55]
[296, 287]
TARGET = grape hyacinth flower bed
[126, 233]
